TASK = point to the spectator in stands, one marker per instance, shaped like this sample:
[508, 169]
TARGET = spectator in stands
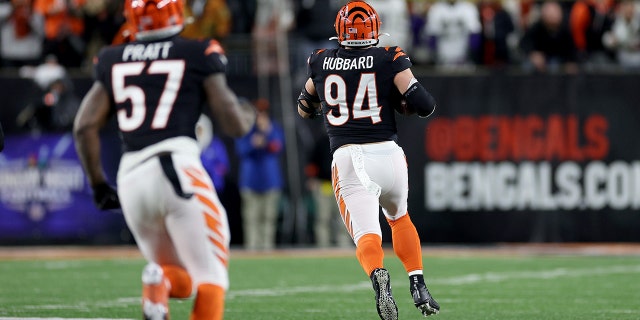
[624, 37]
[208, 19]
[274, 18]
[46, 73]
[260, 179]
[55, 109]
[21, 34]
[314, 26]
[243, 14]
[590, 20]
[397, 23]
[497, 27]
[64, 27]
[523, 12]
[453, 28]
[102, 18]
[213, 153]
[420, 52]
[548, 45]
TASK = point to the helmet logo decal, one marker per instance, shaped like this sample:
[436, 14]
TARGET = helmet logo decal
[357, 24]
[155, 18]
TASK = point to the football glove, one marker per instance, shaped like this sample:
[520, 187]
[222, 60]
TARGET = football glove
[105, 197]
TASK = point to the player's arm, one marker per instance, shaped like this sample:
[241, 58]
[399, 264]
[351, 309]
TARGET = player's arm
[91, 117]
[234, 118]
[415, 95]
[308, 101]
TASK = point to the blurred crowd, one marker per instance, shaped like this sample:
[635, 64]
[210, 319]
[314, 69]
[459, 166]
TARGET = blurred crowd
[542, 36]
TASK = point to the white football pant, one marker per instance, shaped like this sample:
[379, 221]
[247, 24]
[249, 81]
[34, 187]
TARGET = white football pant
[189, 230]
[365, 177]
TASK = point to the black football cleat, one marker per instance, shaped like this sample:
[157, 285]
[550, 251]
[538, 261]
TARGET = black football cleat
[421, 296]
[387, 308]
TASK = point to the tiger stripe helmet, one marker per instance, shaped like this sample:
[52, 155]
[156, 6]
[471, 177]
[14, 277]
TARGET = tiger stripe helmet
[357, 25]
[155, 19]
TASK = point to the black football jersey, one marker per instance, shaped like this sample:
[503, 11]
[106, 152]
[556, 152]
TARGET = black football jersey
[357, 92]
[156, 87]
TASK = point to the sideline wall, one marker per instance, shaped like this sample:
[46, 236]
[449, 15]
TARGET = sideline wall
[507, 158]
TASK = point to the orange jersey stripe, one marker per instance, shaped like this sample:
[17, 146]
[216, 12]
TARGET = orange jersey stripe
[398, 55]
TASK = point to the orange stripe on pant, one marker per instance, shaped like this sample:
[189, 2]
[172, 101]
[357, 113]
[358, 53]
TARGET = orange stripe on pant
[212, 216]
[346, 216]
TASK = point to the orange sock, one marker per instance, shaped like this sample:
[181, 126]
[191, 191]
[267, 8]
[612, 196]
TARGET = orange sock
[406, 243]
[156, 293]
[209, 303]
[180, 280]
[369, 252]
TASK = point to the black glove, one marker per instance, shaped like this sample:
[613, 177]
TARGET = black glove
[105, 197]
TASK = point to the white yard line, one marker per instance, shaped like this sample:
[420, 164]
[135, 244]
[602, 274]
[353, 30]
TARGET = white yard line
[450, 281]
[540, 274]
[488, 277]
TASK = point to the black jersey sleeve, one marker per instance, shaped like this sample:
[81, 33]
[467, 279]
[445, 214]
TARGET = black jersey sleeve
[214, 57]
[399, 59]
[311, 60]
[100, 71]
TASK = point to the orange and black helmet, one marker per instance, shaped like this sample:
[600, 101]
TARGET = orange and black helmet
[357, 25]
[154, 19]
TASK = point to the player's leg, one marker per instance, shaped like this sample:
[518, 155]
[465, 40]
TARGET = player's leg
[357, 198]
[200, 231]
[141, 190]
[390, 173]
[358, 207]
[405, 238]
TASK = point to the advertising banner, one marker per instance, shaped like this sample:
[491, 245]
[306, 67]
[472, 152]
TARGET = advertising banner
[527, 158]
[45, 197]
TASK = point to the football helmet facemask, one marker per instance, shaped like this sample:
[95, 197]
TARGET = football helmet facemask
[155, 19]
[357, 25]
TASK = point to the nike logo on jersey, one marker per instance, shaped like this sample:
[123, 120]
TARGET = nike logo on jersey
[150, 51]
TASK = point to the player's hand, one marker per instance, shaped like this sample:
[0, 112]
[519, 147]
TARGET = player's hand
[105, 197]
[404, 109]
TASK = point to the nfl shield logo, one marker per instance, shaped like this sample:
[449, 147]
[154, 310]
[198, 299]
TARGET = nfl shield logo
[352, 30]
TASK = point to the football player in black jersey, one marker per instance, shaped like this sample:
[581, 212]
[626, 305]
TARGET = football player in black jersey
[156, 87]
[356, 89]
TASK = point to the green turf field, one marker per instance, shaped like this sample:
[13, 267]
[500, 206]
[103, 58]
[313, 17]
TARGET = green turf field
[500, 287]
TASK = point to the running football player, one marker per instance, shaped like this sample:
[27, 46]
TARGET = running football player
[156, 86]
[356, 89]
